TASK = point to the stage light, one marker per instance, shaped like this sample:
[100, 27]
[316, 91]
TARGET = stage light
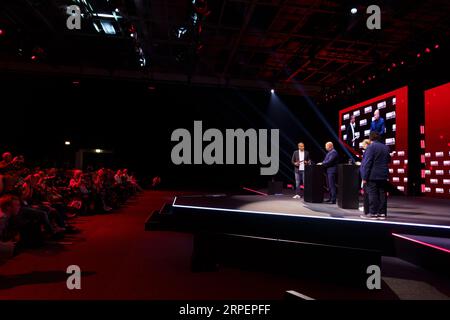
[389, 69]
[354, 10]
[98, 150]
[2, 32]
[394, 65]
[436, 46]
[272, 91]
[108, 28]
[117, 10]
[419, 55]
[96, 27]
[180, 32]
[33, 58]
[105, 15]
[67, 143]
[402, 62]
[427, 50]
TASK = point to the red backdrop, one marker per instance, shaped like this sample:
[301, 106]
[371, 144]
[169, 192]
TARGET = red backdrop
[393, 107]
[436, 148]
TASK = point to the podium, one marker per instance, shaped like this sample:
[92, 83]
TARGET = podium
[314, 180]
[348, 186]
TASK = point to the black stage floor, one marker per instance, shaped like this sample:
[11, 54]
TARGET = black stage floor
[415, 211]
[280, 218]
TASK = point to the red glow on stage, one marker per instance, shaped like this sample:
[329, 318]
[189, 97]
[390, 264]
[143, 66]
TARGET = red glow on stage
[422, 243]
[151, 88]
[255, 191]
[394, 65]
[2, 32]
[33, 58]
[419, 55]
[422, 129]
[427, 50]
[436, 46]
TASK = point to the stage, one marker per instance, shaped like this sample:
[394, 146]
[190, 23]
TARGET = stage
[280, 227]
[414, 211]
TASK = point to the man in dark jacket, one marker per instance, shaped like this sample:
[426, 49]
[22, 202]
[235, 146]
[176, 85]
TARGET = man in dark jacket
[378, 124]
[330, 163]
[300, 158]
[374, 174]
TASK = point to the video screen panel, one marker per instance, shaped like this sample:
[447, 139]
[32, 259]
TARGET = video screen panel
[436, 147]
[393, 108]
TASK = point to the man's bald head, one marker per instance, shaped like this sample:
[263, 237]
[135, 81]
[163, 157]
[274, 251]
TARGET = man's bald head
[376, 114]
[329, 146]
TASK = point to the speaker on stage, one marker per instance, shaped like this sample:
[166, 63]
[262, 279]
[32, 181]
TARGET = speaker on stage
[314, 178]
[348, 186]
[275, 187]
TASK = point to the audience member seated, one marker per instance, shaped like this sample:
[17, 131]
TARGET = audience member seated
[9, 207]
[37, 205]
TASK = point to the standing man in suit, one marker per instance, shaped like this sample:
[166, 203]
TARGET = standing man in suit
[330, 163]
[300, 158]
[378, 125]
[374, 174]
[351, 132]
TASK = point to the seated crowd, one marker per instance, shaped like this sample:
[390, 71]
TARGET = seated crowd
[39, 204]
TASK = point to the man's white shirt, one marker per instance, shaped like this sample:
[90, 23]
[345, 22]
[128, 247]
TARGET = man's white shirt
[352, 125]
[301, 158]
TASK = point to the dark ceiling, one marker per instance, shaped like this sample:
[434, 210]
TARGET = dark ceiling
[296, 46]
